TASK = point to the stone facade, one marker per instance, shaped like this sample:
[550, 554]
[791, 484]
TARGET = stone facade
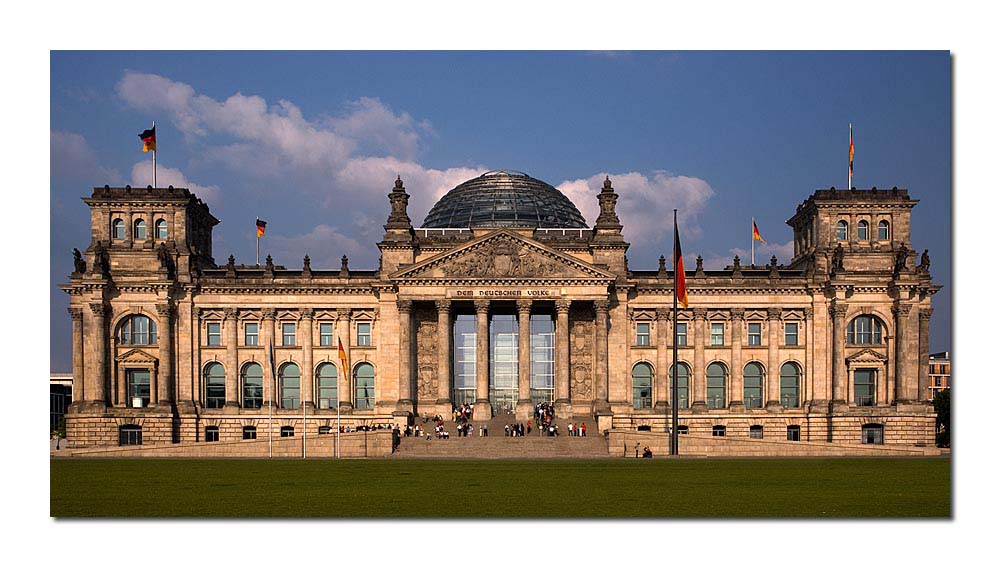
[167, 340]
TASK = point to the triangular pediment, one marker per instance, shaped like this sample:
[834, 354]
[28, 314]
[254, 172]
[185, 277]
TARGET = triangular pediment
[505, 255]
[136, 356]
[867, 355]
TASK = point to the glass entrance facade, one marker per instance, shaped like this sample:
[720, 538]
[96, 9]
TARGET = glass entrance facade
[464, 358]
[503, 363]
[543, 368]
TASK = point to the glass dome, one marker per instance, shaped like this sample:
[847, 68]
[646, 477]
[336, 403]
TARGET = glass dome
[504, 198]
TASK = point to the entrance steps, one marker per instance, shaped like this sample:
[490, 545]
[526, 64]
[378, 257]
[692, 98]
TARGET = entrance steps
[497, 446]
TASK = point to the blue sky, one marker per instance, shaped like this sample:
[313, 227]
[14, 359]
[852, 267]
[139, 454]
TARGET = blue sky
[312, 142]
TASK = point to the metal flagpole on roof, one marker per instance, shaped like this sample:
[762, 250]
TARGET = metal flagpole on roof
[270, 426]
[154, 154]
[752, 224]
[673, 384]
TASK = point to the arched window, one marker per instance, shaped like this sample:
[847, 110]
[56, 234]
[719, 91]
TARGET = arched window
[865, 330]
[883, 230]
[864, 387]
[215, 385]
[683, 373]
[326, 383]
[872, 434]
[161, 229]
[139, 233]
[253, 385]
[288, 378]
[118, 229]
[211, 433]
[364, 386]
[715, 386]
[863, 230]
[287, 431]
[842, 230]
[137, 330]
[753, 386]
[790, 385]
[756, 431]
[130, 435]
[249, 432]
[642, 386]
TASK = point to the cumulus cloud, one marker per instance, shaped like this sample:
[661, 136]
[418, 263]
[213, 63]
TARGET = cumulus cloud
[166, 176]
[325, 245]
[783, 251]
[72, 159]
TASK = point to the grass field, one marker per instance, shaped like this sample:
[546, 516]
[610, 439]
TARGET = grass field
[769, 488]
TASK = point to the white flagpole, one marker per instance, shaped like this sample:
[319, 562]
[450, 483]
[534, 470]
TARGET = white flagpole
[850, 169]
[154, 156]
[270, 426]
[305, 429]
[751, 242]
[257, 233]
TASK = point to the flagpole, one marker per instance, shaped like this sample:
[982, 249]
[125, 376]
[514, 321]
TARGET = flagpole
[850, 168]
[752, 224]
[305, 428]
[257, 232]
[154, 157]
[673, 385]
[339, 394]
[270, 425]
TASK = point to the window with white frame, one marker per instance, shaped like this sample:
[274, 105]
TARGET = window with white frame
[213, 334]
[118, 229]
[842, 230]
[161, 229]
[682, 334]
[718, 334]
[326, 334]
[642, 334]
[137, 330]
[883, 230]
[326, 386]
[863, 230]
[753, 334]
[140, 230]
[791, 334]
[865, 330]
[250, 334]
[364, 334]
[288, 334]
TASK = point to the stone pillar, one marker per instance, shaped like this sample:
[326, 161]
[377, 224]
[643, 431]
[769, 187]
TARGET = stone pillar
[405, 403]
[698, 389]
[923, 368]
[97, 384]
[773, 376]
[736, 360]
[901, 312]
[165, 375]
[444, 352]
[266, 339]
[562, 357]
[664, 360]
[232, 358]
[344, 392]
[839, 336]
[523, 410]
[308, 374]
[600, 355]
[80, 390]
[482, 410]
[807, 388]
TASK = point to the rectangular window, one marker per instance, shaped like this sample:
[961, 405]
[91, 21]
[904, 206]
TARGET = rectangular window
[756, 431]
[250, 334]
[718, 334]
[753, 334]
[791, 334]
[211, 433]
[214, 334]
[249, 432]
[642, 334]
[682, 334]
[364, 334]
[288, 334]
[718, 431]
[464, 357]
[138, 387]
[794, 433]
[864, 387]
[542, 373]
[326, 334]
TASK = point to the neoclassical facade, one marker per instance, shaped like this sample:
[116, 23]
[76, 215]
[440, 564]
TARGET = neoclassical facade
[504, 298]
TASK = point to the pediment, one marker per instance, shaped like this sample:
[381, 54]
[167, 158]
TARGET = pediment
[137, 356]
[503, 255]
[868, 355]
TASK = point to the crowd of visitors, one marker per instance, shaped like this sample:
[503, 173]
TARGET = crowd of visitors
[373, 427]
[516, 429]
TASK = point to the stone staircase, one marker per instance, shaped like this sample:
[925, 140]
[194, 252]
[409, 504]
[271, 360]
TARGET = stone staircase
[497, 446]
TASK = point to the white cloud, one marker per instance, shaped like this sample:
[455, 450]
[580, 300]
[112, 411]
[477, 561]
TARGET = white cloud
[142, 176]
[325, 245]
[763, 253]
[72, 159]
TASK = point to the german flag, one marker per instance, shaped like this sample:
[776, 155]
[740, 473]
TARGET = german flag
[680, 284]
[756, 234]
[850, 157]
[343, 356]
[260, 227]
[148, 138]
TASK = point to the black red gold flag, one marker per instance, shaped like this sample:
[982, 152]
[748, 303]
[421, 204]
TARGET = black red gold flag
[148, 138]
[681, 283]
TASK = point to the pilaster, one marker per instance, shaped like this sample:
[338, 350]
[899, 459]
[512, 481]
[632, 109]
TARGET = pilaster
[523, 409]
[444, 352]
[698, 393]
[482, 410]
[773, 375]
[562, 356]
[405, 403]
[166, 383]
[601, 388]
[344, 391]
[306, 315]
[232, 320]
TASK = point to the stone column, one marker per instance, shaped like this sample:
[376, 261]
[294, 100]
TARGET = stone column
[405, 403]
[97, 385]
[773, 375]
[923, 370]
[664, 360]
[698, 389]
[736, 360]
[901, 313]
[308, 371]
[806, 385]
[838, 311]
[344, 392]
[232, 358]
[80, 390]
[165, 378]
[600, 355]
[482, 410]
[562, 357]
[523, 410]
[266, 339]
[444, 352]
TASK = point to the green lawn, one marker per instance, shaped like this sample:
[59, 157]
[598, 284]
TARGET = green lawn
[825, 488]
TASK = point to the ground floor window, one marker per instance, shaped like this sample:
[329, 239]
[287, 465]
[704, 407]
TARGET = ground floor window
[130, 435]
[325, 430]
[249, 432]
[364, 386]
[864, 387]
[212, 433]
[682, 430]
[718, 431]
[872, 434]
[287, 431]
[756, 431]
[793, 433]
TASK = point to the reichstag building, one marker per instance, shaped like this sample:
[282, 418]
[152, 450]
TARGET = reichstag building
[504, 298]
